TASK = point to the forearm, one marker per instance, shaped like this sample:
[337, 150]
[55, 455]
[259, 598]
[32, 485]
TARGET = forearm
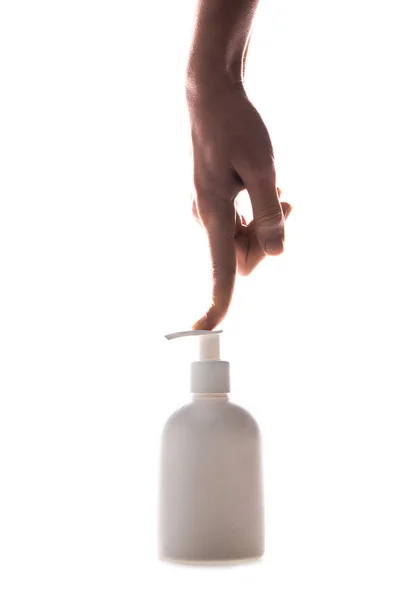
[220, 39]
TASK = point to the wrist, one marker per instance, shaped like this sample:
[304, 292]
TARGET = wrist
[221, 60]
[206, 80]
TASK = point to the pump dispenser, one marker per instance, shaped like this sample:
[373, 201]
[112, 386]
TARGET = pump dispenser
[211, 498]
[209, 374]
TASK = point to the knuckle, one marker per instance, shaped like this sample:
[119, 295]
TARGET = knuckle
[269, 222]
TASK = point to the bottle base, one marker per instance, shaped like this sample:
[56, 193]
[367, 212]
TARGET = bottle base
[212, 563]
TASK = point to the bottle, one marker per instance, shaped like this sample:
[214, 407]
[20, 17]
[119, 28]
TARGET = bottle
[211, 497]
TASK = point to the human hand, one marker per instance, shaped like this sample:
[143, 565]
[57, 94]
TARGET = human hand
[232, 151]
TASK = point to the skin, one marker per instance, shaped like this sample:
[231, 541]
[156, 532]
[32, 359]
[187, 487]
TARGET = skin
[232, 151]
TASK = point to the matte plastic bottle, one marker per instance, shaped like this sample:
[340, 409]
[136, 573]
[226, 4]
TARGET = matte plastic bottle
[211, 496]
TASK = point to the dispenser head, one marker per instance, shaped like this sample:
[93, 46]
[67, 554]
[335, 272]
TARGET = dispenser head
[209, 342]
[210, 374]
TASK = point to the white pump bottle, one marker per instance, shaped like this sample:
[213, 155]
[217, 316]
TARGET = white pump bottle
[211, 496]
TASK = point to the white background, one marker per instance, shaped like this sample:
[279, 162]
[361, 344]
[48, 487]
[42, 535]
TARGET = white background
[99, 258]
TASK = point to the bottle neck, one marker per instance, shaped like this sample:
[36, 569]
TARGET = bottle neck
[210, 396]
[210, 377]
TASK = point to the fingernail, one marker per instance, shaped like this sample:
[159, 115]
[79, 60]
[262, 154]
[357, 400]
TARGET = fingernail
[288, 211]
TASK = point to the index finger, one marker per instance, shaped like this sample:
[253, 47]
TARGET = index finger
[219, 219]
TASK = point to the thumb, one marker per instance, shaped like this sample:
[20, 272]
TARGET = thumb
[268, 212]
[269, 215]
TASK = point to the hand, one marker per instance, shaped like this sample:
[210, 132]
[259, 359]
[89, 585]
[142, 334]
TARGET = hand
[232, 151]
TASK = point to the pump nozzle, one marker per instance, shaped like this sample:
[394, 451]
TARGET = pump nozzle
[209, 373]
[209, 342]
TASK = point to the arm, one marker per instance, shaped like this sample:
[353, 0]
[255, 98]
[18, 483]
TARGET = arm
[220, 40]
[232, 151]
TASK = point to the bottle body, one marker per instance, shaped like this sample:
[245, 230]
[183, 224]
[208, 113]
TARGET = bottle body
[211, 492]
